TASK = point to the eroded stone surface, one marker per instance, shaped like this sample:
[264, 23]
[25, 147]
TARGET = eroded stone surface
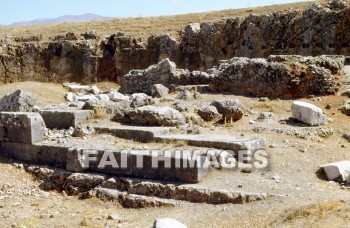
[19, 101]
[21, 127]
[308, 113]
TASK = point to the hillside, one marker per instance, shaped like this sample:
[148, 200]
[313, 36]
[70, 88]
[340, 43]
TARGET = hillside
[145, 26]
[63, 19]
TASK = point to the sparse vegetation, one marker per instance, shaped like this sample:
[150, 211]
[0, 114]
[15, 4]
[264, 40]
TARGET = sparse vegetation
[144, 26]
[316, 210]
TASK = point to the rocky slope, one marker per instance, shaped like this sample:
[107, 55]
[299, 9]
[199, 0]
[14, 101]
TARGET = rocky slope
[321, 29]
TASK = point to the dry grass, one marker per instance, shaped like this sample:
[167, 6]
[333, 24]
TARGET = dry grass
[316, 210]
[47, 93]
[100, 112]
[146, 26]
[270, 106]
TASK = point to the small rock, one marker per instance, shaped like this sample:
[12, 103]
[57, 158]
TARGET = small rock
[328, 106]
[184, 95]
[154, 116]
[83, 131]
[140, 99]
[208, 113]
[197, 96]
[45, 216]
[113, 216]
[19, 101]
[303, 150]
[273, 145]
[168, 223]
[337, 171]
[264, 99]
[251, 122]
[69, 96]
[87, 98]
[158, 90]
[183, 107]
[94, 90]
[103, 97]
[308, 113]
[345, 108]
[266, 116]
[347, 136]
[116, 96]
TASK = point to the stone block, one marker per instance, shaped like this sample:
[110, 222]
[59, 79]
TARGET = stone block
[21, 127]
[64, 119]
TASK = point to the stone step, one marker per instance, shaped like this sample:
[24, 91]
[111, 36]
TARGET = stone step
[132, 200]
[183, 193]
[141, 134]
[35, 153]
[77, 88]
[159, 165]
[131, 163]
[224, 142]
[63, 118]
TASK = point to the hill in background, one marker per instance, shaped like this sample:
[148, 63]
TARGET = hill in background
[146, 26]
[67, 18]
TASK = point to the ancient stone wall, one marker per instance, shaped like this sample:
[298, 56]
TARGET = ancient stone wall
[321, 29]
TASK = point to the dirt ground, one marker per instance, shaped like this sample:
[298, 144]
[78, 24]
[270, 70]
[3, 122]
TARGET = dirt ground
[297, 197]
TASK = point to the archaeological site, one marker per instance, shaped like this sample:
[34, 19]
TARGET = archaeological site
[226, 118]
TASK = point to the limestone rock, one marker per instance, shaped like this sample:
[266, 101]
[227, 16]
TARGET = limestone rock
[232, 113]
[112, 108]
[113, 217]
[158, 90]
[345, 108]
[86, 98]
[338, 171]
[285, 74]
[308, 113]
[184, 107]
[93, 90]
[347, 136]
[168, 223]
[77, 88]
[229, 108]
[19, 101]
[208, 113]
[193, 119]
[154, 116]
[165, 73]
[83, 131]
[345, 90]
[197, 96]
[70, 97]
[21, 127]
[140, 99]
[90, 35]
[266, 116]
[81, 182]
[222, 104]
[184, 95]
[103, 97]
[116, 96]
[314, 31]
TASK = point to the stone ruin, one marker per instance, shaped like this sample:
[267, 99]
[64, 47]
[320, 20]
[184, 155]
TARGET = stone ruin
[56, 137]
[319, 30]
[54, 143]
